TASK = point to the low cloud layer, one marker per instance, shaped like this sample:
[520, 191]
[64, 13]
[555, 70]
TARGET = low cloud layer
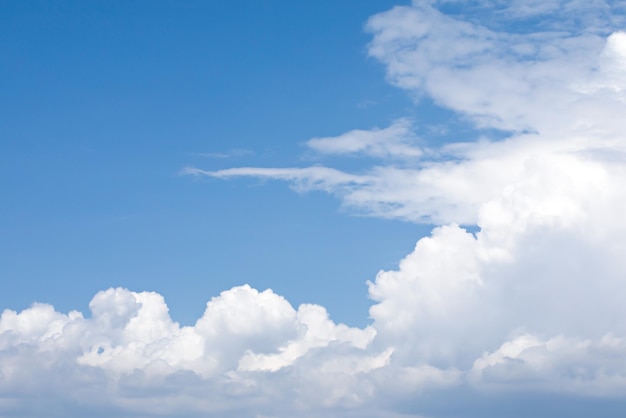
[532, 303]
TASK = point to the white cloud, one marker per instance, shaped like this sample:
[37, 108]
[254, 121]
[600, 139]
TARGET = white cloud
[531, 302]
[395, 141]
[130, 345]
[316, 330]
[499, 79]
[573, 365]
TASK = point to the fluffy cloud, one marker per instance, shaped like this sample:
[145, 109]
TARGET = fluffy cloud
[531, 303]
[131, 342]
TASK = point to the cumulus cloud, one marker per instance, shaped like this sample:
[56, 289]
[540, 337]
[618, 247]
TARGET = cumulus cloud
[531, 302]
[130, 341]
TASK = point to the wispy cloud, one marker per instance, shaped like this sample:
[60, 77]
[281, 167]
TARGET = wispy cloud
[302, 179]
[395, 141]
[233, 153]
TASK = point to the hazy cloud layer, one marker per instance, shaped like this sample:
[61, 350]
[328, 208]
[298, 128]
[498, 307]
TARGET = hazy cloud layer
[532, 303]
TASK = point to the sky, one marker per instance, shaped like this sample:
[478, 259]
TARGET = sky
[338, 209]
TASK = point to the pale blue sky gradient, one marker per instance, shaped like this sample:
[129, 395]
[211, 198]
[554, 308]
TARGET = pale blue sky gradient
[103, 104]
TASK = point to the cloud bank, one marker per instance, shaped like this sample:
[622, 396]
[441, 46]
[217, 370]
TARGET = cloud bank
[532, 303]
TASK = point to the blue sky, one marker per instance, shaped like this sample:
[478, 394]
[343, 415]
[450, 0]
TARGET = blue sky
[105, 103]
[276, 209]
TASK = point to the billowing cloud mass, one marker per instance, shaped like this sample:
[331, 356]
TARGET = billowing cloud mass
[530, 306]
